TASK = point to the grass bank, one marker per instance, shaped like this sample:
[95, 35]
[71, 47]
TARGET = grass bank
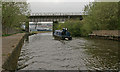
[36, 32]
[5, 35]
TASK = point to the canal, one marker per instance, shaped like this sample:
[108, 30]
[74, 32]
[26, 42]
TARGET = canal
[42, 52]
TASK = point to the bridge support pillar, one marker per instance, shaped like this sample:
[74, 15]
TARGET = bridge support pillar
[54, 26]
[27, 26]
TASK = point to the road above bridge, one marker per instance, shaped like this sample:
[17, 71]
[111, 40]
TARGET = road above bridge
[42, 52]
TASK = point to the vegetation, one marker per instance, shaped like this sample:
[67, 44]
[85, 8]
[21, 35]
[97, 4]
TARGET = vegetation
[0, 9]
[14, 14]
[119, 14]
[72, 25]
[0, 18]
[4, 35]
[101, 16]
[36, 32]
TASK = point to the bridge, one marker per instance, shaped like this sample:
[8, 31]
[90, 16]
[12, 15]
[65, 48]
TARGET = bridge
[54, 17]
[50, 17]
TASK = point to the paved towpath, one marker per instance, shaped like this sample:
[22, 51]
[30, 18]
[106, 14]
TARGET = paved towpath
[9, 43]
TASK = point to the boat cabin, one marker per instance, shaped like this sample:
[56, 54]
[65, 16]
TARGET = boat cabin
[62, 34]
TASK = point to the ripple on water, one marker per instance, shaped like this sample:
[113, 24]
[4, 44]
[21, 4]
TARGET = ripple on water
[44, 53]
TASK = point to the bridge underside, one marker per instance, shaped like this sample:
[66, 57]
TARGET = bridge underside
[59, 18]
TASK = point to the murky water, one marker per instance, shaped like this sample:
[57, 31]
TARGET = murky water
[42, 52]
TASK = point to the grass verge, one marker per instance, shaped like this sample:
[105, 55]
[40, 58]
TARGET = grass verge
[5, 35]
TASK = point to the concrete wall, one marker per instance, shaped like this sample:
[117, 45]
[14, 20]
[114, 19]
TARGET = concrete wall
[11, 62]
[107, 32]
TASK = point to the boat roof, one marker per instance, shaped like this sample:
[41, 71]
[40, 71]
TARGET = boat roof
[58, 30]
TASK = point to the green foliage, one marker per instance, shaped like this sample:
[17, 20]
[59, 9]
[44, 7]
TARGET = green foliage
[119, 15]
[0, 10]
[13, 15]
[4, 35]
[101, 16]
[73, 26]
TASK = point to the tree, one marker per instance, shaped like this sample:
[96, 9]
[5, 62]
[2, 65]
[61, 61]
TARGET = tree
[13, 15]
[101, 16]
[119, 14]
[0, 17]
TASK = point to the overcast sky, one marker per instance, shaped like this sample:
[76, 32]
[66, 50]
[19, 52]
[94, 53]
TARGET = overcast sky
[41, 6]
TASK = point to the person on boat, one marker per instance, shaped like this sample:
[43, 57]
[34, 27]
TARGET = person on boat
[64, 31]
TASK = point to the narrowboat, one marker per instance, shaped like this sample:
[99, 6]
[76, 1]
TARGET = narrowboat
[62, 34]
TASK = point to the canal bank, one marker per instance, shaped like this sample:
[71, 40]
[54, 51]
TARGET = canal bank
[106, 34]
[11, 47]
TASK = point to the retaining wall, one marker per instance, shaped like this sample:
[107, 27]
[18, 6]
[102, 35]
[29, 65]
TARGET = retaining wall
[12, 60]
[106, 34]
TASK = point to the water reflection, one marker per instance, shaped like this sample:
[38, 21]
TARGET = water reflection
[105, 52]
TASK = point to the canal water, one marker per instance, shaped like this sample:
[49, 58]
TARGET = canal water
[42, 52]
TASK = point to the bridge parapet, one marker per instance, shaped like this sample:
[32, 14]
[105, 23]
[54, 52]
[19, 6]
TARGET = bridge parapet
[58, 14]
[50, 17]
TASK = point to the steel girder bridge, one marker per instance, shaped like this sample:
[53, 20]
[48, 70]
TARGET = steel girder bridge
[50, 17]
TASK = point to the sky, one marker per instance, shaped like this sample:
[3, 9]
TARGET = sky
[45, 7]
[59, 6]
